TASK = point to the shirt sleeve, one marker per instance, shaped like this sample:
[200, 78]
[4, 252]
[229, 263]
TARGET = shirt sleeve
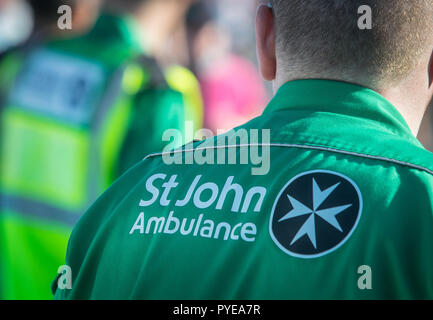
[155, 111]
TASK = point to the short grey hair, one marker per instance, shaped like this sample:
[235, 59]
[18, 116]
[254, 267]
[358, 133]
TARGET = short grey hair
[322, 37]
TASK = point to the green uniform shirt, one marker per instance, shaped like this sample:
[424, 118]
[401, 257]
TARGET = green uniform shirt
[344, 212]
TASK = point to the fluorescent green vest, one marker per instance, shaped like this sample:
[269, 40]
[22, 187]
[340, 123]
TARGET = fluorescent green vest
[183, 80]
[64, 124]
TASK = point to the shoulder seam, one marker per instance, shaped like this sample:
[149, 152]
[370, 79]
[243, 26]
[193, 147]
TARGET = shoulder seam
[300, 146]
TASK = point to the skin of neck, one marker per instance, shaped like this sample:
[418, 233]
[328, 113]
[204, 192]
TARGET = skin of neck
[409, 102]
[410, 96]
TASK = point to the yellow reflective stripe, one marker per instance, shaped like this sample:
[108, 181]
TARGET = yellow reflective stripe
[134, 78]
[184, 81]
[44, 160]
[114, 131]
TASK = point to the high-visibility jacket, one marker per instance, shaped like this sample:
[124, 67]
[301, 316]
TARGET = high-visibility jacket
[79, 113]
[183, 80]
[327, 195]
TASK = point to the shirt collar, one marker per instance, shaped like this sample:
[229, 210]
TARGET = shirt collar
[339, 97]
[117, 28]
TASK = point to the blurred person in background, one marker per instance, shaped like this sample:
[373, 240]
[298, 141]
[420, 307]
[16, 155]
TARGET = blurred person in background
[426, 131]
[163, 25]
[45, 18]
[36, 21]
[80, 111]
[233, 91]
[15, 23]
[41, 18]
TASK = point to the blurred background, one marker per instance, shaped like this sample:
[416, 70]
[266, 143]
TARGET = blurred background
[212, 38]
[87, 89]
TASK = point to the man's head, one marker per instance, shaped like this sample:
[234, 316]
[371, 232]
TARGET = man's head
[321, 38]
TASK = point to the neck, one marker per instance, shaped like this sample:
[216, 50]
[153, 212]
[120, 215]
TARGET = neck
[411, 107]
[411, 98]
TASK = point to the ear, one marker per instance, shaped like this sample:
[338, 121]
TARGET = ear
[265, 33]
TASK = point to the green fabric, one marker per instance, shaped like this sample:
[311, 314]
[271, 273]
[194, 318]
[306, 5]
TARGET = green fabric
[163, 109]
[366, 140]
[111, 40]
[51, 163]
[9, 66]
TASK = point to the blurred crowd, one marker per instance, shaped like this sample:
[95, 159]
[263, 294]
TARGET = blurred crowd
[80, 105]
[87, 89]
[214, 39]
